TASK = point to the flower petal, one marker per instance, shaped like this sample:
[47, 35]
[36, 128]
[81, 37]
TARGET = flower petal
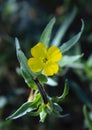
[50, 69]
[54, 54]
[39, 50]
[35, 64]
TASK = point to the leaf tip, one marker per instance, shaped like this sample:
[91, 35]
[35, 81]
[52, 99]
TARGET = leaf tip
[17, 43]
[82, 28]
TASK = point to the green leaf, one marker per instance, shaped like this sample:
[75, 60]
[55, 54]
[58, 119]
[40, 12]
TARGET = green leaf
[36, 113]
[23, 110]
[51, 82]
[43, 115]
[68, 60]
[24, 69]
[41, 112]
[87, 117]
[26, 108]
[89, 61]
[42, 78]
[76, 65]
[57, 107]
[67, 45]
[81, 94]
[46, 35]
[65, 93]
[22, 59]
[64, 27]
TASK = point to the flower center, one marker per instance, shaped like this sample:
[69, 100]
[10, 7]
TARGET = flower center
[45, 60]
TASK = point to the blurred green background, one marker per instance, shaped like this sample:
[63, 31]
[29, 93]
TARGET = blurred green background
[26, 20]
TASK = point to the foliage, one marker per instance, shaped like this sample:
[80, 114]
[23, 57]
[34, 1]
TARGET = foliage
[46, 105]
[87, 117]
[26, 20]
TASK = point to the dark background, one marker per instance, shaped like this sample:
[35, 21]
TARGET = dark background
[26, 20]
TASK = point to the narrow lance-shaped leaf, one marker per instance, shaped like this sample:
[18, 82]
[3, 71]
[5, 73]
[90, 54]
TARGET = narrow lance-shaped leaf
[26, 72]
[64, 27]
[81, 94]
[43, 115]
[57, 111]
[37, 112]
[87, 117]
[68, 60]
[57, 108]
[65, 93]
[41, 112]
[67, 45]
[26, 108]
[51, 82]
[23, 110]
[46, 35]
[22, 58]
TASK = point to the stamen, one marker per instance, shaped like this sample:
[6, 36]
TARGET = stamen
[45, 60]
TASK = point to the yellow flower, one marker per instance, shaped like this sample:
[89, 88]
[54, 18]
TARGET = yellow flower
[44, 59]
